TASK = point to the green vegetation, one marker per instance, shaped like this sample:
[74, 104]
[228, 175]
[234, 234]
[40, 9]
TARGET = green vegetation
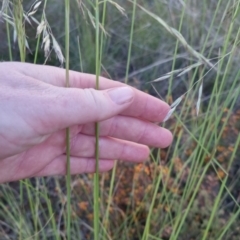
[188, 191]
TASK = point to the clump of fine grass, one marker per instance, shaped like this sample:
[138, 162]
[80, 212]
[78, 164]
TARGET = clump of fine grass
[187, 191]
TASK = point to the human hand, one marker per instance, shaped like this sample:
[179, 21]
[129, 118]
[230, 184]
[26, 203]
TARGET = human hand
[36, 108]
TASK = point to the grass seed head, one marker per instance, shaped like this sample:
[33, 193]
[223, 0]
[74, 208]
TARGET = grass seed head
[5, 6]
[40, 27]
[31, 13]
[199, 97]
[58, 51]
[47, 46]
[169, 114]
[177, 101]
[36, 6]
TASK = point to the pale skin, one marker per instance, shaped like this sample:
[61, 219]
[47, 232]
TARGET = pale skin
[36, 109]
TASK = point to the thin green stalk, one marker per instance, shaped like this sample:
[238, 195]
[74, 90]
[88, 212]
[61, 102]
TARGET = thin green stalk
[130, 41]
[106, 220]
[165, 194]
[96, 185]
[223, 185]
[80, 55]
[146, 229]
[96, 175]
[129, 56]
[97, 126]
[216, 119]
[102, 33]
[218, 198]
[178, 226]
[228, 225]
[9, 41]
[50, 210]
[204, 136]
[175, 53]
[68, 177]
[217, 141]
[31, 203]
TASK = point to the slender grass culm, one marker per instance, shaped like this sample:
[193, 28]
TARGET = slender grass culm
[130, 41]
[68, 177]
[96, 174]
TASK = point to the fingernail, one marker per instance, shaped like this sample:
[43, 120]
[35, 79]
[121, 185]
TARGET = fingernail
[121, 95]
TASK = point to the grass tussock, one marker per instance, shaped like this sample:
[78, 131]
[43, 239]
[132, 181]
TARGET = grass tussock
[185, 52]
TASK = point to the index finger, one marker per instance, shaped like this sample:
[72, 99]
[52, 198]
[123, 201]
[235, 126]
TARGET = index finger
[144, 106]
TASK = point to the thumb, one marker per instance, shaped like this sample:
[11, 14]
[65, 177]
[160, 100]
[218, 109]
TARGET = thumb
[74, 106]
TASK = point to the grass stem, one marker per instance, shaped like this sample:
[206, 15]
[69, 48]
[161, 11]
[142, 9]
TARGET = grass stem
[96, 174]
[68, 177]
